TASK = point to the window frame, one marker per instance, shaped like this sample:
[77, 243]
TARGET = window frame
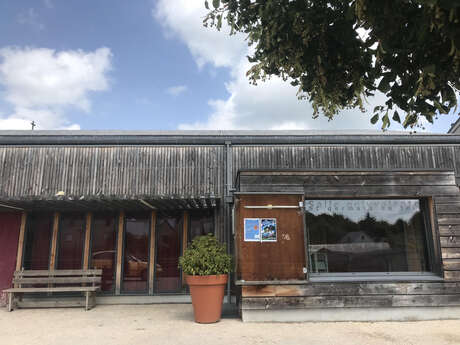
[431, 242]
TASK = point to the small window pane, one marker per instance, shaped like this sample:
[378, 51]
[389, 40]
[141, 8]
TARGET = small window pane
[38, 241]
[103, 248]
[71, 241]
[366, 236]
[136, 253]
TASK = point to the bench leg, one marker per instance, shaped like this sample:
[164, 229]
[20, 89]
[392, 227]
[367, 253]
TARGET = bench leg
[87, 301]
[10, 301]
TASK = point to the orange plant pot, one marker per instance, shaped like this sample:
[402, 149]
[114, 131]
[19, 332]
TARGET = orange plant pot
[207, 296]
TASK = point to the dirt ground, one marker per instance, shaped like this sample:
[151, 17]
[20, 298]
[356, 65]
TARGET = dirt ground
[172, 324]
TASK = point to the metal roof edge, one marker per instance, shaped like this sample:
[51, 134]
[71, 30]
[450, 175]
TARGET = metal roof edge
[220, 137]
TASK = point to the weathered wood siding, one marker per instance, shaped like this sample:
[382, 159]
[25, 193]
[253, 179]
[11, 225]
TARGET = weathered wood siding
[438, 186]
[119, 171]
[351, 295]
[348, 157]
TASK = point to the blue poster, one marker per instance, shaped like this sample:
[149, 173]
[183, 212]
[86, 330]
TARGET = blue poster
[251, 230]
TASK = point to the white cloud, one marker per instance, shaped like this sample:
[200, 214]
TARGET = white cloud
[269, 105]
[30, 17]
[184, 18]
[41, 84]
[48, 3]
[176, 90]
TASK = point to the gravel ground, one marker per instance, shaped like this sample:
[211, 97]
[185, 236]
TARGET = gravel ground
[172, 324]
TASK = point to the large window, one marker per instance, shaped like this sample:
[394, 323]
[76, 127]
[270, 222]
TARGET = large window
[71, 241]
[103, 248]
[169, 234]
[38, 240]
[371, 236]
[136, 252]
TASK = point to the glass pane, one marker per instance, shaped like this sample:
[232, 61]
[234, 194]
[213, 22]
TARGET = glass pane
[201, 223]
[103, 248]
[136, 253]
[38, 241]
[168, 230]
[71, 240]
[366, 236]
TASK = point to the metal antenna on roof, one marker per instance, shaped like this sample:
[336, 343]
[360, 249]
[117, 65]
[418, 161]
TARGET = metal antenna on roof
[33, 124]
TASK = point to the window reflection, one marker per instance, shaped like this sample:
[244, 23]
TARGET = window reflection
[103, 248]
[201, 223]
[169, 234]
[38, 241]
[71, 240]
[136, 253]
[366, 236]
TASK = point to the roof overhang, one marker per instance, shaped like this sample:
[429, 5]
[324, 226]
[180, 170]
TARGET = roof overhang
[240, 137]
[110, 204]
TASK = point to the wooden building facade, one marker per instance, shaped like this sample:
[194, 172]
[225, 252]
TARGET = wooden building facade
[323, 226]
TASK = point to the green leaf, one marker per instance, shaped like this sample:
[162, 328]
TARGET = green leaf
[374, 119]
[384, 85]
[409, 120]
[430, 69]
[385, 121]
[396, 117]
[440, 107]
[206, 4]
[216, 3]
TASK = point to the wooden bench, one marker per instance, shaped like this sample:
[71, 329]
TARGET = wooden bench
[41, 281]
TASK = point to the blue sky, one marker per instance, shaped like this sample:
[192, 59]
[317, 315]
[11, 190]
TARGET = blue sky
[139, 64]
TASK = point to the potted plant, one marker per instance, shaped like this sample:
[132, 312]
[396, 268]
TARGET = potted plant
[206, 265]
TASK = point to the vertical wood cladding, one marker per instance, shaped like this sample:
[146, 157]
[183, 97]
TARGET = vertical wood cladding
[344, 157]
[122, 171]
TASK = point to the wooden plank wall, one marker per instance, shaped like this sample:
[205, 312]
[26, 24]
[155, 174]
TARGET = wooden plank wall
[315, 157]
[122, 171]
[442, 193]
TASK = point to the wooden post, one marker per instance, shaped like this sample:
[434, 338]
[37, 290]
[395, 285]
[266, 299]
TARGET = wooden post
[153, 219]
[54, 240]
[89, 218]
[22, 231]
[121, 228]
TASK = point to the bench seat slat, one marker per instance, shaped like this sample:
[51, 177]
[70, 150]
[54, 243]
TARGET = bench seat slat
[55, 289]
[56, 280]
[28, 273]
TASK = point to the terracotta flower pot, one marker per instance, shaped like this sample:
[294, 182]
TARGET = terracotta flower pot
[207, 296]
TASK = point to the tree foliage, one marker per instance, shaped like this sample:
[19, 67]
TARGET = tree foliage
[339, 52]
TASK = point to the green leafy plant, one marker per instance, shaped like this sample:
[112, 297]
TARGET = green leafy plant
[206, 256]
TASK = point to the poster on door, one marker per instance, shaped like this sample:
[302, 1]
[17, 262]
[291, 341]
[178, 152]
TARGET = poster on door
[251, 230]
[260, 230]
[268, 229]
